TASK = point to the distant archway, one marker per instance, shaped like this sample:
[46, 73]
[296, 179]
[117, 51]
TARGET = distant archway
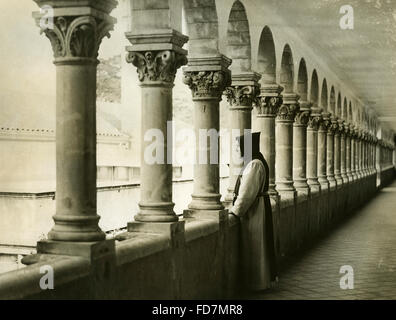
[287, 69]
[302, 82]
[266, 60]
[315, 88]
[339, 106]
[238, 39]
[324, 101]
[345, 109]
[332, 101]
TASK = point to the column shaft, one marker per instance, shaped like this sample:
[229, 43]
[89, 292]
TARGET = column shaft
[157, 70]
[300, 149]
[270, 101]
[240, 96]
[284, 146]
[75, 40]
[312, 150]
[207, 79]
[322, 151]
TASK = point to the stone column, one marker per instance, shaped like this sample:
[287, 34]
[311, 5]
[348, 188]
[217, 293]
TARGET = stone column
[284, 146]
[348, 147]
[240, 95]
[358, 154]
[207, 79]
[76, 35]
[312, 149]
[344, 176]
[269, 103]
[354, 152]
[300, 149]
[157, 58]
[337, 154]
[322, 150]
[333, 126]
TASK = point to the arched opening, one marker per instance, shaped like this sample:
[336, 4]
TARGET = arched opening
[332, 101]
[202, 28]
[302, 82]
[238, 39]
[345, 110]
[324, 101]
[266, 61]
[350, 115]
[287, 70]
[314, 88]
[339, 106]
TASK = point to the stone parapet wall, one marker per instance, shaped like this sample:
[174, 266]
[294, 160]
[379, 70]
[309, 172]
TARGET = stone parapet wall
[198, 262]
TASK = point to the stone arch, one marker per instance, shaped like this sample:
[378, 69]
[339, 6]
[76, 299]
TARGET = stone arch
[238, 39]
[287, 70]
[302, 81]
[339, 106]
[314, 88]
[324, 101]
[345, 109]
[266, 61]
[350, 114]
[202, 28]
[332, 101]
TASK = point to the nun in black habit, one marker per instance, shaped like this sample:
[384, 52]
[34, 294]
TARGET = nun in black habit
[253, 207]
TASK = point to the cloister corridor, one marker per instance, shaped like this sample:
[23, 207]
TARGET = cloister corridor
[121, 153]
[356, 242]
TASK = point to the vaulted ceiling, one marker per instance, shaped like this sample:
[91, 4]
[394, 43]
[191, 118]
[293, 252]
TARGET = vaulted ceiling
[364, 57]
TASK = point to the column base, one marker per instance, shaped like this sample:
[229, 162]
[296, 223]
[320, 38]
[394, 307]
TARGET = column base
[169, 228]
[156, 212]
[89, 250]
[339, 181]
[206, 202]
[220, 215]
[76, 228]
[345, 179]
[287, 198]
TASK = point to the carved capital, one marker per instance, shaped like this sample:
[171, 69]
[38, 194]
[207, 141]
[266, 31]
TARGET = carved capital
[153, 66]
[74, 37]
[268, 106]
[302, 117]
[333, 126]
[241, 96]
[207, 84]
[287, 111]
[270, 100]
[314, 122]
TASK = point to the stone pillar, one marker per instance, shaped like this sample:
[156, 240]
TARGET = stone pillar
[359, 154]
[348, 147]
[76, 35]
[207, 79]
[353, 151]
[157, 58]
[240, 96]
[330, 152]
[269, 103]
[322, 150]
[344, 176]
[337, 154]
[284, 146]
[312, 149]
[300, 149]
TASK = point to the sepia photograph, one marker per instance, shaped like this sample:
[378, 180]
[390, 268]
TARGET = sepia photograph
[226, 151]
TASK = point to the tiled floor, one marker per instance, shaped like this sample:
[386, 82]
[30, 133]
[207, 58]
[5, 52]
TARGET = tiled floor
[366, 242]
